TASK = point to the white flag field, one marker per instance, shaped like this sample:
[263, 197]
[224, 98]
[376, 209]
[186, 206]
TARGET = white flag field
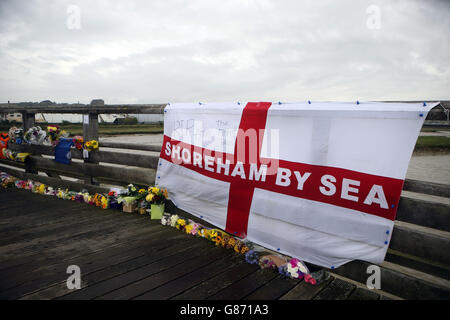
[317, 181]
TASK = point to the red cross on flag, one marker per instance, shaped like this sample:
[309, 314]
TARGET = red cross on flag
[317, 181]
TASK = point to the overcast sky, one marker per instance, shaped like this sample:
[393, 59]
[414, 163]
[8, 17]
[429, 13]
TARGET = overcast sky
[228, 50]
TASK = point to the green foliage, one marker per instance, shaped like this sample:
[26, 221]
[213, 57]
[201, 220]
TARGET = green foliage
[433, 142]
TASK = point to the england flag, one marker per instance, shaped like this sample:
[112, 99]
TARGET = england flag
[317, 181]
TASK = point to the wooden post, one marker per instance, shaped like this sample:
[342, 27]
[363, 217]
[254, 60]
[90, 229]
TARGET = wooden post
[30, 166]
[90, 132]
[90, 126]
[28, 120]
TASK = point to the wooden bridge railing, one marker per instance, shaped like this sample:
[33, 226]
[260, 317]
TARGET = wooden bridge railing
[418, 261]
[93, 169]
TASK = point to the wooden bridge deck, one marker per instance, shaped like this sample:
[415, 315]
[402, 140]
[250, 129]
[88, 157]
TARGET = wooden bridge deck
[128, 256]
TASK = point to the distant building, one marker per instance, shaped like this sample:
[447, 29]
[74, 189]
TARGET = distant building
[148, 118]
[17, 117]
[440, 112]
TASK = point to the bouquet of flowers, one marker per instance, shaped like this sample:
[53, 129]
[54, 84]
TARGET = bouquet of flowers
[9, 154]
[113, 202]
[55, 133]
[104, 202]
[7, 181]
[143, 206]
[296, 269]
[252, 257]
[61, 193]
[49, 191]
[35, 135]
[15, 135]
[156, 197]
[271, 261]
[79, 197]
[173, 220]
[181, 224]
[131, 197]
[165, 219]
[78, 142]
[91, 145]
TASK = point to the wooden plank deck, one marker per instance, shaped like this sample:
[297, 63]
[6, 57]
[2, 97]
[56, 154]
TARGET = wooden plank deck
[128, 256]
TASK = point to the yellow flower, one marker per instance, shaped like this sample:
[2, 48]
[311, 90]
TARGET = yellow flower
[189, 228]
[212, 235]
[141, 190]
[181, 222]
[41, 189]
[149, 198]
[204, 233]
[104, 202]
[244, 249]
[155, 190]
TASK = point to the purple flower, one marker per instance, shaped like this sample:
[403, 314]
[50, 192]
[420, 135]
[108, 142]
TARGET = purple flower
[251, 257]
[283, 270]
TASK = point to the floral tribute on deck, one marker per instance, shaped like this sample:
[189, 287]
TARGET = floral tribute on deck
[144, 200]
[286, 266]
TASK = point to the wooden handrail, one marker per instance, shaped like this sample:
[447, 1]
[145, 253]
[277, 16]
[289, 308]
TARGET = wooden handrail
[32, 108]
[128, 159]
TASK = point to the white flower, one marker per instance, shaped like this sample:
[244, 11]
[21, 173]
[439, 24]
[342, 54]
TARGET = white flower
[303, 269]
[293, 271]
[165, 220]
[173, 220]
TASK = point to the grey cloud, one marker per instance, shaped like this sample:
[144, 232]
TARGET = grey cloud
[160, 51]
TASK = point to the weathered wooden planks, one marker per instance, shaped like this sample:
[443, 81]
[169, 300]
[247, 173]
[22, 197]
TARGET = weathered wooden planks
[432, 188]
[400, 281]
[363, 294]
[425, 266]
[121, 256]
[304, 291]
[337, 290]
[245, 286]
[217, 283]
[424, 213]
[432, 245]
[122, 285]
[128, 159]
[273, 289]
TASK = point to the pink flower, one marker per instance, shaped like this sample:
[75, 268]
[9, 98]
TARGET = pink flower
[310, 279]
[194, 228]
[294, 262]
